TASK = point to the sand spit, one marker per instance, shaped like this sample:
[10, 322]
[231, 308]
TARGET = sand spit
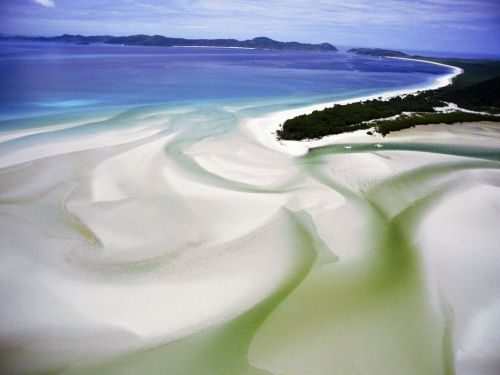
[265, 127]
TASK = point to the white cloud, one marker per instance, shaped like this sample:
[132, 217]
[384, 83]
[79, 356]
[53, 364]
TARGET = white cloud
[46, 3]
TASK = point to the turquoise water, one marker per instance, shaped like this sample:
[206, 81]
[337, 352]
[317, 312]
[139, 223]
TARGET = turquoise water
[42, 78]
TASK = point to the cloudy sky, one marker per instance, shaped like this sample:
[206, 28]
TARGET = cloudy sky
[451, 25]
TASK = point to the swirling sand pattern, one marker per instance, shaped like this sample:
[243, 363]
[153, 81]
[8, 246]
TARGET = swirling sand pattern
[172, 242]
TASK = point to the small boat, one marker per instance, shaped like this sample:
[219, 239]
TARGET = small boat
[378, 145]
[348, 147]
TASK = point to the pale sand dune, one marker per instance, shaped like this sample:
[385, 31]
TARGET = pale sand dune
[262, 167]
[459, 239]
[20, 154]
[110, 178]
[483, 133]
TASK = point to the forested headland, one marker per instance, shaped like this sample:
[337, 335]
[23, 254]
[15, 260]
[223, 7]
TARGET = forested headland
[477, 89]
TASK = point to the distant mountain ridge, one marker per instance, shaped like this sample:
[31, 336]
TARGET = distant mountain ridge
[160, 40]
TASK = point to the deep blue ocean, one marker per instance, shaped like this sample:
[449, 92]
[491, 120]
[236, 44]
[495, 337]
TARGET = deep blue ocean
[48, 78]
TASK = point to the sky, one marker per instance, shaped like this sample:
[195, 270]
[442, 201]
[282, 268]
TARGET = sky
[431, 25]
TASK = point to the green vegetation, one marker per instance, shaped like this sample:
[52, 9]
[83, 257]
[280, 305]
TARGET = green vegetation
[378, 52]
[475, 71]
[406, 121]
[478, 89]
[483, 96]
[349, 117]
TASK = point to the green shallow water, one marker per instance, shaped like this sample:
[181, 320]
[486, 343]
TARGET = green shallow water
[371, 315]
[224, 349]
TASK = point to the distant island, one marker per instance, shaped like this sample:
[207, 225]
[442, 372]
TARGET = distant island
[378, 52]
[162, 41]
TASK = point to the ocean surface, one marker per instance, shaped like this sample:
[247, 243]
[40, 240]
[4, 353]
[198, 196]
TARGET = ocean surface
[48, 78]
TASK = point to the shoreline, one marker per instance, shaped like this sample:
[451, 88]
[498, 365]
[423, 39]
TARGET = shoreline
[264, 128]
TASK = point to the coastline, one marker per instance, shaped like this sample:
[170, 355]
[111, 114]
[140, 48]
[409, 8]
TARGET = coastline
[213, 47]
[264, 128]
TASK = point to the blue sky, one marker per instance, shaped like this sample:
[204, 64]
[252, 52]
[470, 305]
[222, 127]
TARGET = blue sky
[459, 25]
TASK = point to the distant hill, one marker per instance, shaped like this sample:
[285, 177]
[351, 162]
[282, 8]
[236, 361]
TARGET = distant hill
[378, 52]
[159, 40]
